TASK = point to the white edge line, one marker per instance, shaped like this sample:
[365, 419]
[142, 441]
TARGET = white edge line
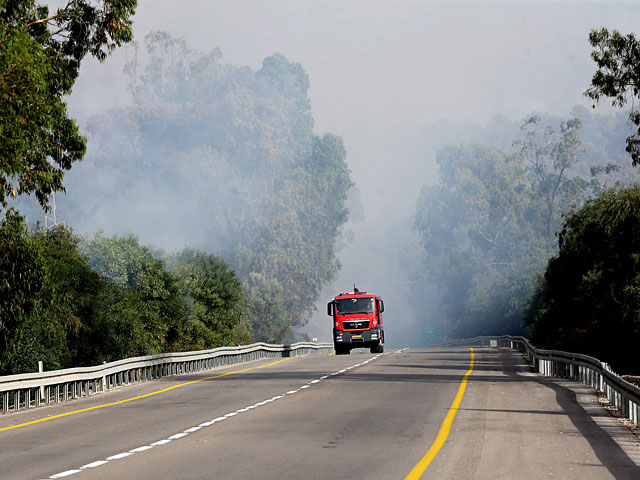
[161, 442]
[93, 464]
[142, 449]
[119, 456]
[65, 474]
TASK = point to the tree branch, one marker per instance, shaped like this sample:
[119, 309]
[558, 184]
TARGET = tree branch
[53, 17]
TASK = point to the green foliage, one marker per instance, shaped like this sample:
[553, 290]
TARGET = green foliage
[73, 302]
[489, 227]
[589, 300]
[265, 309]
[617, 76]
[40, 56]
[67, 304]
[21, 282]
[215, 296]
[481, 236]
[549, 158]
[295, 248]
[153, 304]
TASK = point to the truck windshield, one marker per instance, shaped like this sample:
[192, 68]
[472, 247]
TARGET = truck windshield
[351, 306]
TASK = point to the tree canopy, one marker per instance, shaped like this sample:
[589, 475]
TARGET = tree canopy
[40, 56]
[488, 228]
[617, 57]
[589, 300]
[78, 301]
[224, 159]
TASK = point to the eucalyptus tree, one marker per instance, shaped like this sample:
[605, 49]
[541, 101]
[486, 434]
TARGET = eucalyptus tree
[40, 57]
[617, 77]
[550, 156]
[228, 159]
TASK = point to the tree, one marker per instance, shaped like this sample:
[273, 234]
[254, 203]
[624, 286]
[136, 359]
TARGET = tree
[228, 158]
[489, 227]
[589, 300]
[265, 309]
[481, 234]
[550, 158]
[215, 297]
[58, 330]
[153, 305]
[617, 76]
[40, 56]
[21, 281]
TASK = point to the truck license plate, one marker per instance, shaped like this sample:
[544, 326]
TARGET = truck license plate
[357, 336]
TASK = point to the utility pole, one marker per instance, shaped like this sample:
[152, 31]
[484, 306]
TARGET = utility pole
[50, 217]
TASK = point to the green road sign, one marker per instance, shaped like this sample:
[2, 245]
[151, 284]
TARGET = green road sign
[430, 333]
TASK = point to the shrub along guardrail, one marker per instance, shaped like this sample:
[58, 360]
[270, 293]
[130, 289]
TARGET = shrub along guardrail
[33, 389]
[623, 395]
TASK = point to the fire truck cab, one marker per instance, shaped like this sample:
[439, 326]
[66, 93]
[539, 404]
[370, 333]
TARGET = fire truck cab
[357, 322]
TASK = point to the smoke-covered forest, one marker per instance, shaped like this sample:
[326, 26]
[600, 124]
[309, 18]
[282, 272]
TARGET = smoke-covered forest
[191, 200]
[489, 227]
[224, 159]
[215, 157]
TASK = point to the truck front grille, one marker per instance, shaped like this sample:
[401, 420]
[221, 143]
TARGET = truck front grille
[356, 325]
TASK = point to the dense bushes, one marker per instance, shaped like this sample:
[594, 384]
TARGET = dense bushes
[70, 301]
[589, 300]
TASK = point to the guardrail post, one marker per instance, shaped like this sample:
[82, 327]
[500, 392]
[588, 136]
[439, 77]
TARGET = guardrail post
[40, 370]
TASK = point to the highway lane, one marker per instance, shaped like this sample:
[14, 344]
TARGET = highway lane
[374, 420]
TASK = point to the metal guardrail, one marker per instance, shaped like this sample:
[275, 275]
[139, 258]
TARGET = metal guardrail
[623, 395]
[34, 389]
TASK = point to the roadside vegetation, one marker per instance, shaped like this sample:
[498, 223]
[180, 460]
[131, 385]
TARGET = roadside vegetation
[217, 163]
[542, 239]
[220, 166]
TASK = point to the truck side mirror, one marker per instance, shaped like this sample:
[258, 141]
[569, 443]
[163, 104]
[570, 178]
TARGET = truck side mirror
[381, 306]
[330, 308]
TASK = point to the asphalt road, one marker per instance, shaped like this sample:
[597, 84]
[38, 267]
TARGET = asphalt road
[315, 418]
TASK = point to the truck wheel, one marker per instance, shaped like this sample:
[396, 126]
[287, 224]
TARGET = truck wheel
[380, 348]
[340, 350]
[374, 348]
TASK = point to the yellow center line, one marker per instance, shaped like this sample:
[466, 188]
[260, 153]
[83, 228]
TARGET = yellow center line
[445, 428]
[139, 397]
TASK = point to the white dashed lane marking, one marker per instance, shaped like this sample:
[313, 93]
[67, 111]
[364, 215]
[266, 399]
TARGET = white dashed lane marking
[207, 424]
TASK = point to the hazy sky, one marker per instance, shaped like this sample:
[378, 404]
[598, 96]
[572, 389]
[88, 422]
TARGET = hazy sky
[379, 67]
[381, 72]
[397, 61]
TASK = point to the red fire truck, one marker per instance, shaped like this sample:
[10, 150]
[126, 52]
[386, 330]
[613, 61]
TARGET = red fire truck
[357, 321]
